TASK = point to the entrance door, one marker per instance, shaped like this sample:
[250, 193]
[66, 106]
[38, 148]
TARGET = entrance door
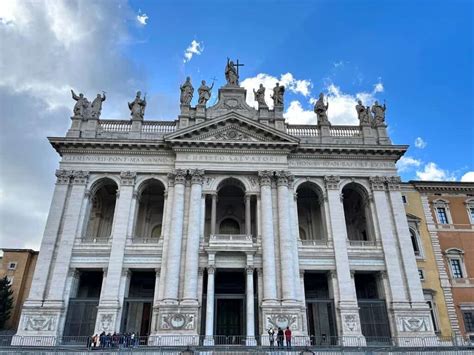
[321, 322]
[137, 317]
[229, 320]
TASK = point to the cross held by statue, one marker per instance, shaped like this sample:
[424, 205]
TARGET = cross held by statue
[237, 65]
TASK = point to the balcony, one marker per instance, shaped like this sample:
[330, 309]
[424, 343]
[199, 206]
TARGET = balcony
[230, 242]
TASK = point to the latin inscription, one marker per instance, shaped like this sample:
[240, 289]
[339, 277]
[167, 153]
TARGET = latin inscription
[235, 158]
[340, 163]
[118, 159]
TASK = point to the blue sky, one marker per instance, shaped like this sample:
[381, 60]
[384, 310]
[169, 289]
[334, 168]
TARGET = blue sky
[416, 55]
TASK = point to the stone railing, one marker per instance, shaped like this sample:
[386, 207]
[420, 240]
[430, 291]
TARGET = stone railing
[230, 241]
[158, 127]
[114, 126]
[345, 131]
[363, 243]
[303, 130]
[314, 242]
[95, 240]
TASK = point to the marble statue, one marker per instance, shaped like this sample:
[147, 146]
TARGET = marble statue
[259, 96]
[204, 92]
[278, 92]
[96, 106]
[379, 113]
[363, 113]
[187, 92]
[231, 74]
[137, 107]
[82, 106]
[320, 109]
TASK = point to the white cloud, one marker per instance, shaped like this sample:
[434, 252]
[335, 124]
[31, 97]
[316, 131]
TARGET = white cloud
[468, 177]
[432, 172]
[407, 163]
[295, 114]
[142, 18]
[420, 143]
[194, 48]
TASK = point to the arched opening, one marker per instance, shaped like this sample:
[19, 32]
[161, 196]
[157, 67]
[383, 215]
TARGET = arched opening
[229, 226]
[150, 211]
[357, 213]
[230, 207]
[414, 242]
[101, 210]
[310, 212]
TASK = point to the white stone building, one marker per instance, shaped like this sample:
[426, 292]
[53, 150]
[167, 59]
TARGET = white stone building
[226, 221]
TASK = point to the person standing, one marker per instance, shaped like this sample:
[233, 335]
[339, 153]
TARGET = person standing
[271, 337]
[280, 338]
[288, 337]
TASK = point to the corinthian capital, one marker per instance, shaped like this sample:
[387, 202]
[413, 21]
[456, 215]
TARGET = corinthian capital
[180, 176]
[63, 176]
[377, 183]
[284, 178]
[332, 182]
[128, 177]
[265, 177]
[393, 182]
[197, 176]
[80, 177]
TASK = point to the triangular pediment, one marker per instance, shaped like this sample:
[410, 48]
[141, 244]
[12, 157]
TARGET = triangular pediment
[232, 129]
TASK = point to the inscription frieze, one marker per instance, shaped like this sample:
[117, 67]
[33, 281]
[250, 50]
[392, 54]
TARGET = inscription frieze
[301, 163]
[233, 158]
[76, 158]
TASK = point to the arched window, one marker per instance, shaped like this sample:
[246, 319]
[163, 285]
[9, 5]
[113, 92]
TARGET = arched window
[310, 212]
[229, 226]
[101, 210]
[414, 242]
[357, 213]
[470, 210]
[150, 211]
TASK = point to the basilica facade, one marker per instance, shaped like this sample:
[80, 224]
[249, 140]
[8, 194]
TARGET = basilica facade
[226, 222]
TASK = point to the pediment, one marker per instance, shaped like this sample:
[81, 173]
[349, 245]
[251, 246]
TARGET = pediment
[231, 129]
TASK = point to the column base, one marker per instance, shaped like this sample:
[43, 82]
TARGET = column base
[175, 320]
[107, 317]
[41, 321]
[281, 316]
[414, 326]
[350, 327]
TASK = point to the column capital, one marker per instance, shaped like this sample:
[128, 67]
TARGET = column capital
[170, 177]
[211, 269]
[393, 182]
[80, 177]
[284, 178]
[87, 193]
[352, 274]
[200, 271]
[127, 178]
[179, 176]
[158, 271]
[332, 182]
[265, 177]
[197, 176]
[63, 176]
[377, 183]
[249, 269]
[383, 274]
[332, 274]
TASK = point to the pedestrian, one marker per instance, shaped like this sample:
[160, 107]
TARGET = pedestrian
[288, 337]
[271, 337]
[280, 337]
[102, 340]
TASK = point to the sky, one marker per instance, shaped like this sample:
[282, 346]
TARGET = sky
[416, 56]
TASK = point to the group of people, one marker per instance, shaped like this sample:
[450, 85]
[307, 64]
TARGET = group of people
[115, 340]
[280, 336]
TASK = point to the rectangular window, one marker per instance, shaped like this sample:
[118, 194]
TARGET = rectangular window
[471, 212]
[456, 268]
[404, 199]
[433, 315]
[442, 216]
[12, 266]
[421, 274]
[468, 321]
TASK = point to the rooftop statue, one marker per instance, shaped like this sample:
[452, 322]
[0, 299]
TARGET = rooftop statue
[259, 96]
[278, 92]
[204, 92]
[231, 73]
[187, 92]
[320, 109]
[363, 113]
[82, 106]
[96, 107]
[137, 107]
[379, 113]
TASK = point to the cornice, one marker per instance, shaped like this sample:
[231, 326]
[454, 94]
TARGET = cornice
[443, 186]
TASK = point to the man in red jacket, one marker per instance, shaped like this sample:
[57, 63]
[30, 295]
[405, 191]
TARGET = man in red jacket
[288, 337]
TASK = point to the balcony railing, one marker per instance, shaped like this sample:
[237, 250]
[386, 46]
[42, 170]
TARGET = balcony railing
[345, 131]
[303, 130]
[96, 240]
[363, 243]
[314, 242]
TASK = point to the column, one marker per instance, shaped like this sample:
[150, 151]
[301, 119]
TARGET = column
[288, 274]
[294, 226]
[109, 305]
[55, 217]
[194, 232]
[415, 292]
[250, 307]
[213, 213]
[210, 306]
[347, 304]
[176, 232]
[157, 286]
[247, 215]
[392, 258]
[69, 233]
[166, 234]
[268, 245]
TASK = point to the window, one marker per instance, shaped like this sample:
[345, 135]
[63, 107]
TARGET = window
[413, 224]
[471, 214]
[442, 216]
[404, 199]
[414, 242]
[470, 209]
[421, 273]
[10, 279]
[456, 269]
[468, 317]
[12, 266]
[432, 306]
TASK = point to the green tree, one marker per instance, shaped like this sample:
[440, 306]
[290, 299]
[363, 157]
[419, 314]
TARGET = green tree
[6, 301]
